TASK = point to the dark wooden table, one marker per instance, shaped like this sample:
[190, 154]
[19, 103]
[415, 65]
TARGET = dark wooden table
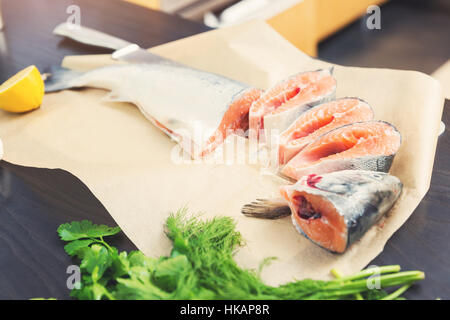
[33, 202]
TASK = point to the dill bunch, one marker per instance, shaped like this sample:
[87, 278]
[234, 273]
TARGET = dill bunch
[201, 266]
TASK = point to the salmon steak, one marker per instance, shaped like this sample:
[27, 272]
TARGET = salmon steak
[280, 105]
[336, 209]
[370, 145]
[318, 121]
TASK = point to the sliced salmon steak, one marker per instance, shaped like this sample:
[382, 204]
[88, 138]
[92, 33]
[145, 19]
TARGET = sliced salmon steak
[336, 209]
[369, 145]
[319, 120]
[279, 106]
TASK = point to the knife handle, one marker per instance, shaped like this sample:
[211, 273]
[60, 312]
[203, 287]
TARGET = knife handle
[90, 36]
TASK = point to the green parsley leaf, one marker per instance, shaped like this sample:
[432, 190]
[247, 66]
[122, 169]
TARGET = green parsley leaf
[96, 261]
[169, 271]
[120, 264]
[139, 288]
[74, 247]
[85, 229]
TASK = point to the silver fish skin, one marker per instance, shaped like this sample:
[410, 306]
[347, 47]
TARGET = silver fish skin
[379, 163]
[183, 102]
[360, 197]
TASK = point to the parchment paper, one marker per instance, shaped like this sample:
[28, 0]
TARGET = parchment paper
[442, 74]
[125, 161]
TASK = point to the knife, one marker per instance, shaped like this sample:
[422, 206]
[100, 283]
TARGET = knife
[124, 50]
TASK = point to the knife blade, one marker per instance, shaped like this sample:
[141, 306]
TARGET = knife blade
[124, 50]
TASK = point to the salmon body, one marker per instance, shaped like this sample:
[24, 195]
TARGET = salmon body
[319, 120]
[369, 145]
[335, 209]
[279, 106]
[195, 108]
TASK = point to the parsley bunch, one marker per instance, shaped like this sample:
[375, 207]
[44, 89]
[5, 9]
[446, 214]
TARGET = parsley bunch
[201, 266]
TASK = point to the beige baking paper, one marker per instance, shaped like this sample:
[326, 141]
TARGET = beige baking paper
[126, 162]
[442, 74]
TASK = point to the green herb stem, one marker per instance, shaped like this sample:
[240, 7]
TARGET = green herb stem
[383, 281]
[339, 275]
[394, 295]
[105, 244]
[371, 271]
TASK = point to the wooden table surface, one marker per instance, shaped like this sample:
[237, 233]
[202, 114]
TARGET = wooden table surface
[33, 202]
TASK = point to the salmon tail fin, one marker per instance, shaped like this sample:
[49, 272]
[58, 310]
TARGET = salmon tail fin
[59, 78]
[267, 209]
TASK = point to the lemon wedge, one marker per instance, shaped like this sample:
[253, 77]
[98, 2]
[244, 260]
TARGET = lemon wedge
[22, 92]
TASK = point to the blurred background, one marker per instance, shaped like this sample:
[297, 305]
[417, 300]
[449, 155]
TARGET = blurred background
[412, 34]
[303, 22]
[297, 20]
[398, 34]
